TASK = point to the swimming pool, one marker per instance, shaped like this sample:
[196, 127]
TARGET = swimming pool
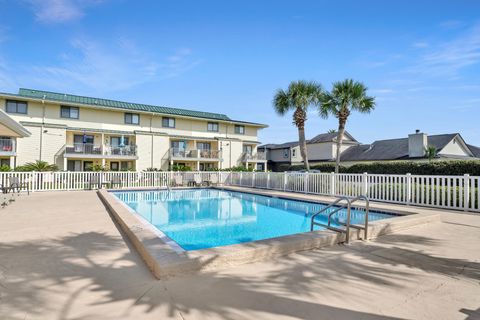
[205, 218]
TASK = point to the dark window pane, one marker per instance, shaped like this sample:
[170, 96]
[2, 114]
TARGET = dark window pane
[65, 112]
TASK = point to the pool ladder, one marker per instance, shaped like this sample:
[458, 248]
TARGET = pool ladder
[348, 204]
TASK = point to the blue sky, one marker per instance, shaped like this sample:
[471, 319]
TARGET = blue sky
[420, 59]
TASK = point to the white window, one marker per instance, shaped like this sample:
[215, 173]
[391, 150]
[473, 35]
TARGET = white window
[69, 112]
[239, 129]
[285, 153]
[14, 106]
[294, 152]
[212, 126]
[132, 118]
[168, 122]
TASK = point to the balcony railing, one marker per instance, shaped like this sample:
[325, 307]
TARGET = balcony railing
[259, 156]
[107, 150]
[194, 154]
[7, 146]
[127, 150]
[84, 148]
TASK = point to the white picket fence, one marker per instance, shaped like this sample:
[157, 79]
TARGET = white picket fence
[453, 192]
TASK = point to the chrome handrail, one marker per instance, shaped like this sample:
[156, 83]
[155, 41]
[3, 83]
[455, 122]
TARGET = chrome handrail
[326, 208]
[367, 209]
[348, 205]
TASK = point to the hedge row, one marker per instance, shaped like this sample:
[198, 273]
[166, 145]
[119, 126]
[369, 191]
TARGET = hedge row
[453, 168]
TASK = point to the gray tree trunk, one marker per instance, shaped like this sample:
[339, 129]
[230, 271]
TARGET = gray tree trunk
[341, 131]
[303, 147]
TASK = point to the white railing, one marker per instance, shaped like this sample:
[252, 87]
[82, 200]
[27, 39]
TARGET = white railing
[259, 156]
[453, 192]
[194, 153]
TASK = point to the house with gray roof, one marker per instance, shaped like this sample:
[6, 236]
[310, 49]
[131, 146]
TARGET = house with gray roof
[448, 146]
[322, 148]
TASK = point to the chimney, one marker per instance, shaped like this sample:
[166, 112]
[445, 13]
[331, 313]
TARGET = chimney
[417, 142]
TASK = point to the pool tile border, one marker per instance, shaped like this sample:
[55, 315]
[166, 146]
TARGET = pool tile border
[163, 260]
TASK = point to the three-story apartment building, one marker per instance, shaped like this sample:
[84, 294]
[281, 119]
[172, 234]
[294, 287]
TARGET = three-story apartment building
[77, 132]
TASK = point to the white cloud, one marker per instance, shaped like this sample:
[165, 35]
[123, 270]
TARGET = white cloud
[450, 57]
[58, 11]
[452, 24]
[381, 91]
[95, 67]
[420, 44]
[181, 61]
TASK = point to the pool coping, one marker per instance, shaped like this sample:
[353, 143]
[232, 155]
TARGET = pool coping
[163, 260]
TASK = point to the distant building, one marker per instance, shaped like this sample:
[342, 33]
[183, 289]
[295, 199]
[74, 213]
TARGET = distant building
[77, 133]
[322, 148]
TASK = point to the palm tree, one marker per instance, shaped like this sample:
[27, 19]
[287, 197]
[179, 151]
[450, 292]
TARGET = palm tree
[430, 152]
[299, 96]
[346, 96]
[40, 166]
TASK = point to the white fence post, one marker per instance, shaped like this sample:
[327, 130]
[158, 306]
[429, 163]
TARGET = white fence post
[466, 191]
[268, 180]
[409, 188]
[365, 184]
[332, 183]
[253, 179]
[305, 181]
[34, 181]
[285, 181]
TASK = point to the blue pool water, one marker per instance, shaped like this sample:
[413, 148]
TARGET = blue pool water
[205, 218]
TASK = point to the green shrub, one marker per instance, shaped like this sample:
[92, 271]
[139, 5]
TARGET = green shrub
[37, 166]
[98, 168]
[178, 167]
[5, 168]
[452, 168]
[323, 167]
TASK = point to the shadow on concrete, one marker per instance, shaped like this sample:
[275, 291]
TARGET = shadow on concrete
[29, 271]
[471, 314]
[83, 258]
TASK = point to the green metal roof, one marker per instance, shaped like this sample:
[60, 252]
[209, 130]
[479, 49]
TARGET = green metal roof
[98, 102]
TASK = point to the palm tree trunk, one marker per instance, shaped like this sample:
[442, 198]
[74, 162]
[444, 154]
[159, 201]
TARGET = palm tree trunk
[341, 132]
[303, 147]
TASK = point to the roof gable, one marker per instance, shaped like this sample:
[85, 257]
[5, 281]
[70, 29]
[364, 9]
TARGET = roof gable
[323, 137]
[330, 137]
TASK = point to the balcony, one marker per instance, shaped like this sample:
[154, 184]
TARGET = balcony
[7, 147]
[83, 149]
[127, 150]
[194, 154]
[89, 150]
[257, 157]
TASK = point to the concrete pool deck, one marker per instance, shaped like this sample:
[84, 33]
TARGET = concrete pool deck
[62, 257]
